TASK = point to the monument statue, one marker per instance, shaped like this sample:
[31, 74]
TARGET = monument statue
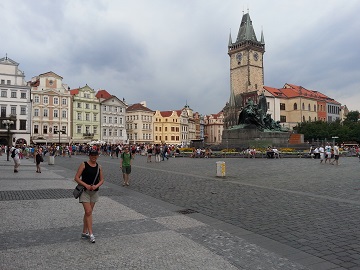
[255, 114]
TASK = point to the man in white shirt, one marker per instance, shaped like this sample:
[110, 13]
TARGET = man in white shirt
[15, 157]
[322, 153]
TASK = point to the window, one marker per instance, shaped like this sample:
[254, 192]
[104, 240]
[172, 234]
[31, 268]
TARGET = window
[64, 114]
[104, 132]
[155, 128]
[95, 116]
[314, 108]
[78, 129]
[87, 129]
[63, 128]
[120, 120]
[95, 130]
[87, 106]
[87, 117]
[115, 120]
[104, 119]
[36, 99]
[2, 81]
[303, 107]
[8, 82]
[23, 95]
[120, 133]
[3, 93]
[13, 94]
[303, 119]
[36, 112]
[36, 129]
[79, 105]
[64, 101]
[13, 110]
[105, 108]
[45, 100]
[295, 106]
[46, 113]
[309, 108]
[45, 129]
[282, 106]
[22, 124]
[110, 119]
[55, 129]
[56, 113]
[3, 111]
[22, 110]
[95, 107]
[56, 100]
[282, 118]
[79, 116]
[165, 129]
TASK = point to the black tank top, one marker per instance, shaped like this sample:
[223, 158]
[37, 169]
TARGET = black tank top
[89, 174]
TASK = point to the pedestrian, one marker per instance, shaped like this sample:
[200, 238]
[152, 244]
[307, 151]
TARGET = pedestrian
[165, 152]
[157, 153]
[336, 154]
[89, 175]
[328, 152]
[322, 153]
[125, 165]
[149, 153]
[38, 159]
[15, 156]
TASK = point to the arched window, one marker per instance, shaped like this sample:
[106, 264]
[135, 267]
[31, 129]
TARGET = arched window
[309, 109]
[303, 118]
[303, 107]
[295, 106]
[314, 108]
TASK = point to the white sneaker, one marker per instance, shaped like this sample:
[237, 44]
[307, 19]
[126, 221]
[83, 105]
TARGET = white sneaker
[92, 238]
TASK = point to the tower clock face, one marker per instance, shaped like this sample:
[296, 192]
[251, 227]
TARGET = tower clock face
[256, 56]
[239, 57]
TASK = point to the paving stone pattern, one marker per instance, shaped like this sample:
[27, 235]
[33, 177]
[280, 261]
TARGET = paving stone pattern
[297, 202]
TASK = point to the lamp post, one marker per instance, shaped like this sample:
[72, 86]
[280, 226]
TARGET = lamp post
[7, 124]
[59, 132]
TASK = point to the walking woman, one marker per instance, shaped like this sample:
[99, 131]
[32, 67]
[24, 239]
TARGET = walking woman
[38, 159]
[90, 175]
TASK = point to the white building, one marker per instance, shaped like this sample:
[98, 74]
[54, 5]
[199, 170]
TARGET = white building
[113, 117]
[15, 104]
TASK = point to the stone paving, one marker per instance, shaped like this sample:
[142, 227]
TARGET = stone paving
[40, 222]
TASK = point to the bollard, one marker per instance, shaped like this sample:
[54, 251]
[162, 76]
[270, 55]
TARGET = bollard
[51, 160]
[220, 168]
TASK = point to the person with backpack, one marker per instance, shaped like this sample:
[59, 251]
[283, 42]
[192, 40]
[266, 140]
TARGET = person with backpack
[15, 156]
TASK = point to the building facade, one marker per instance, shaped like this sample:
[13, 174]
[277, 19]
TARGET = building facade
[113, 117]
[214, 126]
[15, 104]
[139, 123]
[51, 110]
[85, 122]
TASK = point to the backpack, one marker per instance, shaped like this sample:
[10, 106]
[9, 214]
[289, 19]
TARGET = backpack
[13, 153]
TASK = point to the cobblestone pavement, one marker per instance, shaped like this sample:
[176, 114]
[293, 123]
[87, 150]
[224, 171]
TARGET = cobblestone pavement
[297, 202]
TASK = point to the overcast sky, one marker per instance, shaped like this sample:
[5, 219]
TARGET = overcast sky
[173, 52]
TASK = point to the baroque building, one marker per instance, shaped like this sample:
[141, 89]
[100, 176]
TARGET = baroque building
[15, 104]
[85, 123]
[51, 110]
[246, 70]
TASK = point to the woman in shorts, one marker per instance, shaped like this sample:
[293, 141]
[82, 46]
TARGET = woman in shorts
[89, 175]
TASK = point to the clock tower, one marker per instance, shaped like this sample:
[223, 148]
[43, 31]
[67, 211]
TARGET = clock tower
[246, 69]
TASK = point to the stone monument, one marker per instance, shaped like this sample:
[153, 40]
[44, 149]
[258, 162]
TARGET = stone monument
[255, 128]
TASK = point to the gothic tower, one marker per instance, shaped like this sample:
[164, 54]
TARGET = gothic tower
[246, 69]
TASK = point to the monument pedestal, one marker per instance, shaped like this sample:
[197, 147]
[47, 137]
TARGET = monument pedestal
[253, 137]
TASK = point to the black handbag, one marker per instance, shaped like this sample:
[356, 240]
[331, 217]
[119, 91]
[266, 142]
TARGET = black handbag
[79, 189]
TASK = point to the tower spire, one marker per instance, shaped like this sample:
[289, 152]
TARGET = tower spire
[230, 39]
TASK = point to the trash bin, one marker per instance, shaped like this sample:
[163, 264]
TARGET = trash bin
[220, 168]
[51, 160]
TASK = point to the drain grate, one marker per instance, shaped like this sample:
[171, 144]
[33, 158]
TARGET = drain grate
[187, 211]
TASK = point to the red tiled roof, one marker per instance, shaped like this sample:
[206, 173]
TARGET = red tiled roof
[103, 94]
[138, 107]
[166, 113]
[74, 92]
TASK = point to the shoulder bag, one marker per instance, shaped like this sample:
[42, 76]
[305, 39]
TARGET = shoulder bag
[79, 189]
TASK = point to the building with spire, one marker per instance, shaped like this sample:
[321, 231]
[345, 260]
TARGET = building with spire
[246, 69]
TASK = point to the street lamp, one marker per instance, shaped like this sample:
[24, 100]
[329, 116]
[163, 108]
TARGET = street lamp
[7, 124]
[59, 132]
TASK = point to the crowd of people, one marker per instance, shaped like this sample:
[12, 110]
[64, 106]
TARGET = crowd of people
[327, 154]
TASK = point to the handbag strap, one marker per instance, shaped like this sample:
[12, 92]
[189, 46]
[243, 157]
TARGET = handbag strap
[98, 170]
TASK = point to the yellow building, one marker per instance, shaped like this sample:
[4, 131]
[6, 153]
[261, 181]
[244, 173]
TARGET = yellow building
[167, 127]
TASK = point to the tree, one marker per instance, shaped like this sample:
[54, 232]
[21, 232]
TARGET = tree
[352, 117]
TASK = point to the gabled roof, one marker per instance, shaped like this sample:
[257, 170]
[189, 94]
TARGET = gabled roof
[49, 73]
[138, 107]
[166, 113]
[103, 94]
[6, 60]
